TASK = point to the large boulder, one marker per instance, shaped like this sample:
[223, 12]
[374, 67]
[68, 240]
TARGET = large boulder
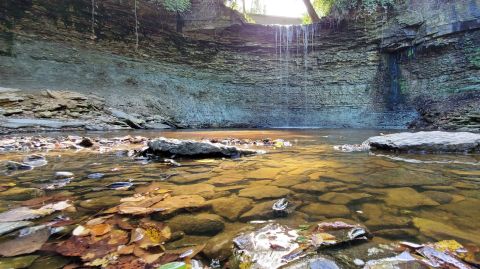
[190, 148]
[435, 141]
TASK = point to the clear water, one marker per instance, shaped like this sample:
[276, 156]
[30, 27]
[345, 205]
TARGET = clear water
[405, 197]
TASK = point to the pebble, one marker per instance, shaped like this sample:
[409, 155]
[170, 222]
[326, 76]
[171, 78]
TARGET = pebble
[96, 176]
[63, 174]
[359, 262]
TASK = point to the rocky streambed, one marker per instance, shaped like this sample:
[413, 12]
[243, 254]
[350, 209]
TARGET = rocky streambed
[112, 202]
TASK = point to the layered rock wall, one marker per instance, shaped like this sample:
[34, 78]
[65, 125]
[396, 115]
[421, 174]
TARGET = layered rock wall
[393, 70]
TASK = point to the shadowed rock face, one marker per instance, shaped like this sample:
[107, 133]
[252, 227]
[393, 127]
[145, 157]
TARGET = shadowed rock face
[427, 142]
[381, 72]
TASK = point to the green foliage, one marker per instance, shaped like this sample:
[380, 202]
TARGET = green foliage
[475, 57]
[342, 7]
[176, 5]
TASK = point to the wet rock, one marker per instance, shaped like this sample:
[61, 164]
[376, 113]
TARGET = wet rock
[96, 176]
[312, 186]
[324, 210]
[18, 262]
[260, 211]
[342, 198]
[264, 192]
[174, 203]
[316, 262]
[439, 197]
[63, 174]
[195, 149]
[188, 178]
[220, 246]
[435, 141]
[227, 179]
[200, 224]
[407, 198]
[379, 216]
[6, 227]
[103, 202]
[54, 124]
[404, 260]
[397, 234]
[288, 181]
[267, 247]
[202, 189]
[440, 230]
[21, 194]
[231, 207]
[86, 142]
[35, 160]
[263, 173]
[463, 209]
[14, 166]
[130, 120]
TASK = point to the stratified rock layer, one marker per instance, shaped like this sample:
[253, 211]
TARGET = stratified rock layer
[418, 65]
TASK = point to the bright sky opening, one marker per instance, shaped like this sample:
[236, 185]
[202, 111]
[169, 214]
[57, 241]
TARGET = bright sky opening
[282, 8]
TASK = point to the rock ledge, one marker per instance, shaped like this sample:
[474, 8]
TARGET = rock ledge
[435, 141]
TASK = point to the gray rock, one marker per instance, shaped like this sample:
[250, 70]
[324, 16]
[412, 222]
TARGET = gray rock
[190, 148]
[55, 124]
[435, 141]
[131, 120]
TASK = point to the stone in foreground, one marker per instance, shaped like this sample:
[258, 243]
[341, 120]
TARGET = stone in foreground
[197, 149]
[435, 141]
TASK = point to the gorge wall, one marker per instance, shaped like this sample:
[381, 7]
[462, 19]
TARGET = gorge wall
[415, 66]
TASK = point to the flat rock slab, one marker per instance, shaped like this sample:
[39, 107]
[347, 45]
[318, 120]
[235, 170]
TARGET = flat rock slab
[435, 141]
[56, 124]
[197, 149]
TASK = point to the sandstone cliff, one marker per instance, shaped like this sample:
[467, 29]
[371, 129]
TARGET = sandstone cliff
[418, 65]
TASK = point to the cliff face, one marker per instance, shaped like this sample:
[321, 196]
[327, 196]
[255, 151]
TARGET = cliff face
[418, 65]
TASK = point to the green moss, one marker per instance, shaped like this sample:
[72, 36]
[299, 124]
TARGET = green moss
[474, 58]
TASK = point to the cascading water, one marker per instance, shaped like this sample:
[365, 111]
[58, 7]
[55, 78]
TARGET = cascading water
[299, 41]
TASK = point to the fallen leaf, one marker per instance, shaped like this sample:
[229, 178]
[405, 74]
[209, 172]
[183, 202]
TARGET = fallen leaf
[25, 244]
[99, 220]
[118, 237]
[127, 262]
[125, 250]
[134, 210]
[100, 229]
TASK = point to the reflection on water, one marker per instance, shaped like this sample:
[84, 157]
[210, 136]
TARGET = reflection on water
[435, 198]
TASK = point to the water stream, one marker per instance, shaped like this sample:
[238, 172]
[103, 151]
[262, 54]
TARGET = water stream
[394, 198]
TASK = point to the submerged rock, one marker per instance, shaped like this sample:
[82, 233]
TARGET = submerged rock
[408, 198]
[435, 141]
[263, 192]
[20, 194]
[231, 207]
[190, 148]
[201, 224]
[326, 210]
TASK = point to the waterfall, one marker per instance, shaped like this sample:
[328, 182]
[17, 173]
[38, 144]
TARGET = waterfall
[291, 43]
[93, 37]
[136, 26]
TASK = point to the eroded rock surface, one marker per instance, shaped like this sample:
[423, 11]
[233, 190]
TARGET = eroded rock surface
[190, 148]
